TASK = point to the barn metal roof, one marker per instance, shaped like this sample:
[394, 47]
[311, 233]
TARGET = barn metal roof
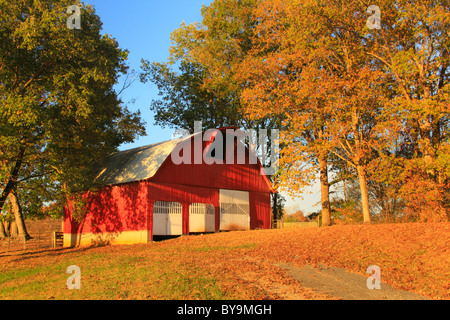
[135, 164]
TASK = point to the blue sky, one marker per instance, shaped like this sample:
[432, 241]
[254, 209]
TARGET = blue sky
[144, 27]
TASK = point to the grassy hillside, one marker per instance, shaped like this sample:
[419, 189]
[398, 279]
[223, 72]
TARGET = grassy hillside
[235, 265]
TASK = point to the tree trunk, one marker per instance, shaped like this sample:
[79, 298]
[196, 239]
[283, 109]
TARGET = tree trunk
[2, 231]
[14, 233]
[7, 227]
[364, 193]
[325, 190]
[12, 181]
[275, 206]
[345, 190]
[17, 210]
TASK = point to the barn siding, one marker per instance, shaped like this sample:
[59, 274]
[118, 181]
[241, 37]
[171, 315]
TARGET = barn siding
[260, 210]
[117, 212]
[121, 210]
[260, 207]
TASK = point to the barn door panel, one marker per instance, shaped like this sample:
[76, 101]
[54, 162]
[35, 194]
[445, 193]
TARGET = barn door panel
[175, 220]
[167, 219]
[159, 219]
[202, 217]
[234, 210]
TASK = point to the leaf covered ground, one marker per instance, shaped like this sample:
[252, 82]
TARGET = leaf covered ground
[236, 265]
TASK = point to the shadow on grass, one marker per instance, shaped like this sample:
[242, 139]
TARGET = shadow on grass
[52, 252]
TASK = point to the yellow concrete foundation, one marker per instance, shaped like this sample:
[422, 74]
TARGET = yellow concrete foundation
[91, 239]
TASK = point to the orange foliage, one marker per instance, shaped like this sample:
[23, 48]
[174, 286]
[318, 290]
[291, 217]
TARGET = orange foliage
[298, 216]
[425, 200]
[346, 213]
[412, 256]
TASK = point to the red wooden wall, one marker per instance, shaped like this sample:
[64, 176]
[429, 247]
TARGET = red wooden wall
[112, 209]
[245, 177]
[129, 207]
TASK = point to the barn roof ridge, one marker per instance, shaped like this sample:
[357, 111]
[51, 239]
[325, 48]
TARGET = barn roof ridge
[140, 148]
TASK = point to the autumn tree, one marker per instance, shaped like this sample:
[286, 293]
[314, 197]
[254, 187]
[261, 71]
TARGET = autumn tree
[284, 75]
[366, 85]
[404, 72]
[297, 216]
[412, 45]
[59, 112]
[218, 43]
[409, 51]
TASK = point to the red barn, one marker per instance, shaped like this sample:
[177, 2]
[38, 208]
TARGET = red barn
[149, 192]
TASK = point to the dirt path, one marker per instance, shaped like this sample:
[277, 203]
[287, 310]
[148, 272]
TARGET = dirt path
[344, 285]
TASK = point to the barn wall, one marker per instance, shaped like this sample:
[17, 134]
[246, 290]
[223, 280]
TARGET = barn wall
[115, 214]
[124, 214]
[183, 194]
[202, 182]
[260, 207]
[260, 210]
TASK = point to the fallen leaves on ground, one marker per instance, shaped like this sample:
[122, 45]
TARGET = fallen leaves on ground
[237, 265]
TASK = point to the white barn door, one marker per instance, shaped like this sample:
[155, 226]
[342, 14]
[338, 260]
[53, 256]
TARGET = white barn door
[202, 218]
[234, 210]
[167, 219]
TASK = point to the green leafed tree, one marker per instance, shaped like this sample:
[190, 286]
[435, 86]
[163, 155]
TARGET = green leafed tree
[59, 113]
[184, 99]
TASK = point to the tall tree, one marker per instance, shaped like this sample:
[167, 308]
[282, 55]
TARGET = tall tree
[59, 113]
[282, 76]
[184, 99]
[18, 215]
[412, 45]
[208, 55]
[325, 64]
[218, 43]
